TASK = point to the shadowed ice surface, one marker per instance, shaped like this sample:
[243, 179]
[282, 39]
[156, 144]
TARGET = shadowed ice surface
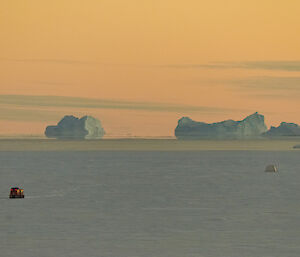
[144, 204]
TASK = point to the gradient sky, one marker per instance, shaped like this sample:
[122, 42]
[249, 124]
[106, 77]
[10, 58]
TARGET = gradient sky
[139, 66]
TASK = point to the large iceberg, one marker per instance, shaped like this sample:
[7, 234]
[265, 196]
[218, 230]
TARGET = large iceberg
[250, 127]
[283, 130]
[71, 127]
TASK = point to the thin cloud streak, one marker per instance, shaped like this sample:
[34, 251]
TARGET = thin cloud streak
[268, 83]
[28, 115]
[293, 66]
[269, 88]
[57, 61]
[66, 62]
[77, 102]
[258, 65]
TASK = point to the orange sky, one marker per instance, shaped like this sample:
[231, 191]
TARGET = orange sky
[234, 56]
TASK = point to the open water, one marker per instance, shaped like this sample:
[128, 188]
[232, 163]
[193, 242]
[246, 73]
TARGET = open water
[150, 204]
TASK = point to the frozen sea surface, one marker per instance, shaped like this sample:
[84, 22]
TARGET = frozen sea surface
[144, 204]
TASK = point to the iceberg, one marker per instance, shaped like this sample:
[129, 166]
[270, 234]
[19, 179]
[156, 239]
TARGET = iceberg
[71, 127]
[283, 130]
[250, 127]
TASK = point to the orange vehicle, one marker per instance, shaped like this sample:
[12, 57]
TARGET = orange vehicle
[16, 192]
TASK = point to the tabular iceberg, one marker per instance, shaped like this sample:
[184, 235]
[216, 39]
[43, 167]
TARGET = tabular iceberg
[71, 127]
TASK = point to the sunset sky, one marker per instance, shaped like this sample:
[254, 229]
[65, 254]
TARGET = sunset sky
[139, 66]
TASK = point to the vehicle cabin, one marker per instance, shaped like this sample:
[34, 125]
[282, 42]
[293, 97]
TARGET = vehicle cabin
[16, 192]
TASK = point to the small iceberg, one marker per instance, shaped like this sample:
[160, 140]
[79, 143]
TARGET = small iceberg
[271, 168]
